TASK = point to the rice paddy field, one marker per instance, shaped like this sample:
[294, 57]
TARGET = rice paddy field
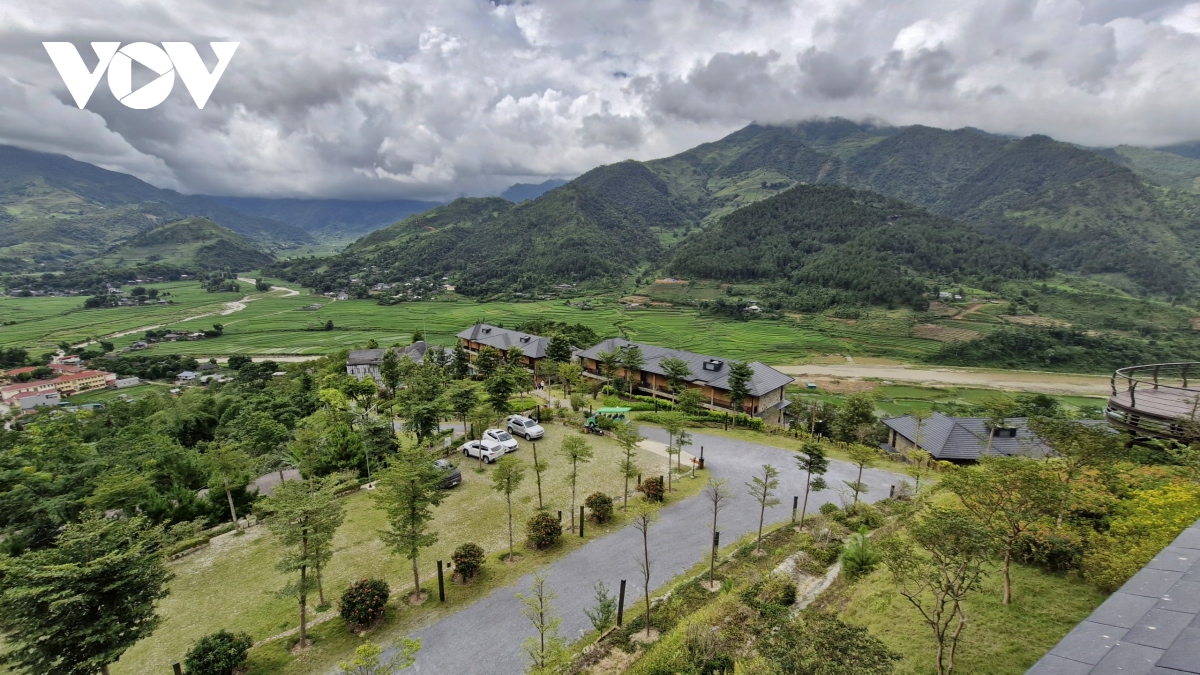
[277, 324]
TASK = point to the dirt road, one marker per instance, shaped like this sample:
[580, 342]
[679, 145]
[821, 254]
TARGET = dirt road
[289, 292]
[1011, 380]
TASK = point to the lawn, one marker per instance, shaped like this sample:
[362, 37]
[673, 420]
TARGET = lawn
[233, 583]
[998, 639]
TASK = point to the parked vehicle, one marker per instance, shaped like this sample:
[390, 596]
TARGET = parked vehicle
[527, 428]
[487, 448]
[502, 437]
[453, 475]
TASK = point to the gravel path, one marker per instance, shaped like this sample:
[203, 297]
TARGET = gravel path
[1009, 380]
[486, 637]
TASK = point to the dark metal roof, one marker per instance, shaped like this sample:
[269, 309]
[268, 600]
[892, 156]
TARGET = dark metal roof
[533, 346]
[374, 357]
[966, 438]
[1149, 627]
[765, 379]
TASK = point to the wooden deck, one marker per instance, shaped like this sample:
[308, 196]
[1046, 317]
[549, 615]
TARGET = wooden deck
[1167, 412]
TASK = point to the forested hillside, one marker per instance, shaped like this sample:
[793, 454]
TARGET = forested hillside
[833, 245]
[570, 235]
[190, 244]
[58, 213]
[329, 219]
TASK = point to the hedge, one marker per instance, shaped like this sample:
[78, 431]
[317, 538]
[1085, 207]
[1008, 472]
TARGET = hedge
[185, 545]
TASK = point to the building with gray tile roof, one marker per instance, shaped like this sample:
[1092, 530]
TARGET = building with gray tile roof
[1149, 627]
[710, 374]
[964, 439]
[365, 362]
[533, 347]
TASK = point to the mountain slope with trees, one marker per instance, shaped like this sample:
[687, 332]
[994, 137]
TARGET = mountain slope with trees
[329, 219]
[829, 245]
[191, 244]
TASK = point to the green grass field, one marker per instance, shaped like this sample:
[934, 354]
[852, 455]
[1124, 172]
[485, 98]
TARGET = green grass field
[233, 583]
[893, 400]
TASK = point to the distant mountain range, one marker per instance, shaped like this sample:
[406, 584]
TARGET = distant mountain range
[191, 244]
[329, 219]
[1128, 216]
[521, 192]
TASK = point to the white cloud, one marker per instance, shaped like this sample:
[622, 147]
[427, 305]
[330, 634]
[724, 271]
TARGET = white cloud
[371, 98]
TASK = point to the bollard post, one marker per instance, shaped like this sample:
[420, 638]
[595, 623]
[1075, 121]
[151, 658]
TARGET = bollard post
[702, 457]
[441, 584]
[712, 565]
[891, 493]
[639, 480]
[621, 605]
[177, 668]
[581, 522]
[560, 516]
[795, 506]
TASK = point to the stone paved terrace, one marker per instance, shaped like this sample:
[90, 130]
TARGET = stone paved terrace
[1149, 627]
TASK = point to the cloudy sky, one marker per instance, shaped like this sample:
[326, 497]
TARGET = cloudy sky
[435, 99]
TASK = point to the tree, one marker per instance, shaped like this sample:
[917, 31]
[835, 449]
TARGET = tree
[507, 477]
[717, 493]
[1008, 496]
[677, 371]
[1077, 448]
[998, 410]
[856, 410]
[632, 361]
[609, 363]
[75, 608]
[368, 658]
[762, 489]
[674, 423]
[420, 403]
[689, 401]
[408, 490]
[937, 579]
[304, 516]
[227, 462]
[389, 371]
[538, 467]
[547, 648]
[862, 456]
[576, 451]
[460, 363]
[372, 343]
[628, 437]
[462, 398]
[487, 361]
[558, 350]
[920, 416]
[418, 336]
[329, 324]
[919, 464]
[643, 515]
[740, 374]
[812, 461]
[604, 612]
[220, 653]
[569, 374]
[501, 385]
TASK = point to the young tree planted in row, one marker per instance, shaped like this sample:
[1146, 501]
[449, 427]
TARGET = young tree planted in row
[632, 361]
[227, 463]
[576, 451]
[812, 461]
[547, 649]
[740, 375]
[762, 489]
[539, 467]
[407, 491]
[628, 437]
[643, 515]
[717, 493]
[507, 477]
[861, 456]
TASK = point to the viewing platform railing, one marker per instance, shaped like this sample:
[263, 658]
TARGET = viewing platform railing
[1160, 400]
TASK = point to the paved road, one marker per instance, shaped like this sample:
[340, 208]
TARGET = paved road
[486, 637]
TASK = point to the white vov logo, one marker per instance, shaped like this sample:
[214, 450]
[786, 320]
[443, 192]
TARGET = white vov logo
[178, 57]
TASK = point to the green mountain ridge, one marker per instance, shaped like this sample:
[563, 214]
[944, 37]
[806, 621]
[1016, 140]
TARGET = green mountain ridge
[190, 244]
[59, 213]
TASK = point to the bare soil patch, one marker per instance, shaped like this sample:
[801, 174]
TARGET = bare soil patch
[643, 637]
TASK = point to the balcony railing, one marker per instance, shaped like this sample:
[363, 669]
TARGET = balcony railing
[1160, 400]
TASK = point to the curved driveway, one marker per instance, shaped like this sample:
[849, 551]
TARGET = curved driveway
[486, 637]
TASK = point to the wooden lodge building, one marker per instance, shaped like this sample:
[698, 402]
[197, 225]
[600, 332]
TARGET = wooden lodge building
[533, 347]
[708, 374]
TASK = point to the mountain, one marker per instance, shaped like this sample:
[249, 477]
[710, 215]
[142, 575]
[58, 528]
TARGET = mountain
[328, 219]
[522, 192]
[1160, 167]
[488, 246]
[191, 244]
[59, 213]
[827, 245]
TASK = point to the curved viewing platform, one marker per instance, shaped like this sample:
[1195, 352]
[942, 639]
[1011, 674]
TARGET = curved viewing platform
[1160, 400]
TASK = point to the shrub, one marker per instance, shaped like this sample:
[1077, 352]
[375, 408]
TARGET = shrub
[601, 506]
[1051, 549]
[185, 545]
[859, 556]
[653, 488]
[468, 560]
[363, 603]
[829, 508]
[577, 402]
[1141, 527]
[543, 530]
[219, 653]
[771, 596]
[863, 514]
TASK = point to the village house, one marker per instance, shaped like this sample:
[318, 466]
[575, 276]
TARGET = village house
[533, 347]
[66, 384]
[710, 375]
[366, 362]
[965, 439]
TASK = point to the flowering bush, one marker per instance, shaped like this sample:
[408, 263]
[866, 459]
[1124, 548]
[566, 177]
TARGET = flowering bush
[363, 603]
[653, 489]
[219, 653]
[468, 559]
[543, 530]
[601, 506]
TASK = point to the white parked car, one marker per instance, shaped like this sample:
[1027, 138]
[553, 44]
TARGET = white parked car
[529, 429]
[502, 437]
[488, 449]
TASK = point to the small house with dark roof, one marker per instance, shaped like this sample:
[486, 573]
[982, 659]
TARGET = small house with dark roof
[709, 374]
[533, 347]
[366, 362]
[964, 439]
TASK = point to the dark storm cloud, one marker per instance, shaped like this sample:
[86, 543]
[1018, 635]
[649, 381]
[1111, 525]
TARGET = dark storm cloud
[368, 98]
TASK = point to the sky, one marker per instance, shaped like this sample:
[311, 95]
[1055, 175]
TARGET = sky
[390, 99]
